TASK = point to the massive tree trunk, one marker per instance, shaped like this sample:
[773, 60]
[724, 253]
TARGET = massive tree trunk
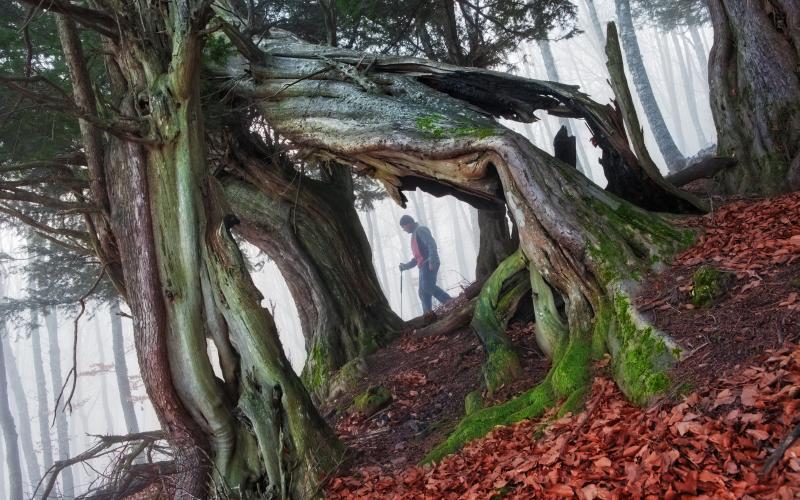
[582, 244]
[755, 92]
[121, 368]
[56, 381]
[672, 155]
[21, 405]
[310, 228]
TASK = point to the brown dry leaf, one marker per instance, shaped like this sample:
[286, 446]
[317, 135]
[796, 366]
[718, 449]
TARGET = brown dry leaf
[749, 393]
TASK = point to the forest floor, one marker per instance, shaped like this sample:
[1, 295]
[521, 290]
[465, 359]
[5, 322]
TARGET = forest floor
[737, 393]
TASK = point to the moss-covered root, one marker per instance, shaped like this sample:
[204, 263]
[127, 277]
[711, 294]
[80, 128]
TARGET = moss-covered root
[567, 381]
[642, 356]
[372, 400]
[495, 305]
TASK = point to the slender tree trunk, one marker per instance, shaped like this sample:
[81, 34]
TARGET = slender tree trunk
[597, 27]
[671, 89]
[121, 368]
[688, 82]
[755, 93]
[672, 155]
[459, 232]
[495, 241]
[103, 383]
[9, 434]
[21, 405]
[56, 380]
[699, 49]
[377, 246]
[42, 395]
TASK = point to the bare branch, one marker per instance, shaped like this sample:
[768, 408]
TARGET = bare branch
[91, 18]
[30, 221]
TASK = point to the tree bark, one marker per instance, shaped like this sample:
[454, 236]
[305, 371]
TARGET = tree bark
[755, 93]
[121, 368]
[56, 381]
[672, 155]
[495, 241]
[310, 228]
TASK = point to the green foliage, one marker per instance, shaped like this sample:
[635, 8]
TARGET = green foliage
[668, 15]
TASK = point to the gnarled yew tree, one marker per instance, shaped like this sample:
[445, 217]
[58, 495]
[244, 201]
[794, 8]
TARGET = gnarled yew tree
[413, 122]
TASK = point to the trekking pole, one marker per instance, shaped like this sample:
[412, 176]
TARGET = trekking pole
[401, 294]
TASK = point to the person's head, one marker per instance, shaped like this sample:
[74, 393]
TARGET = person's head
[407, 223]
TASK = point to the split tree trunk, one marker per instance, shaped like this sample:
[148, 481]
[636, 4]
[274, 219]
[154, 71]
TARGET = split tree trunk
[311, 229]
[672, 155]
[755, 92]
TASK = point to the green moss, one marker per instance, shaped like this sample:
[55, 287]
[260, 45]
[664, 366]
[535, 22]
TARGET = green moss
[473, 402]
[501, 367]
[528, 405]
[571, 372]
[573, 402]
[708, 285]
[795, 282]
[372, 400]
[643, 358]
[439, 127]
[315, 370]
[603, 323]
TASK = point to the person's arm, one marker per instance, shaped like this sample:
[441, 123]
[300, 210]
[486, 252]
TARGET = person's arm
[425, 235]
[408, 265]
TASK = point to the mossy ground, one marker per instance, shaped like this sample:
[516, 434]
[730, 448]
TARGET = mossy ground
[372, 400]
[709, 284]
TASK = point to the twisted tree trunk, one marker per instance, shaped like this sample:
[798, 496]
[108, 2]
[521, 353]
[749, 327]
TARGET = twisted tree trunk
[583, 244]
[310, 228]
[755, 92]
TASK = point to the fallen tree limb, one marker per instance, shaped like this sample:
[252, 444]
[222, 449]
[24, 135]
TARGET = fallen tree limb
[702, 169]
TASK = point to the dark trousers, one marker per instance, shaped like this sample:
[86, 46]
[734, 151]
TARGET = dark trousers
[428, 288]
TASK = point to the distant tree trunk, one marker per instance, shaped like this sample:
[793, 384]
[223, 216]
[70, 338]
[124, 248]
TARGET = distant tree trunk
[42, 396]
[311, 229]
[755, 93]
[672, 155]
[103, 383]
[552, 75]
[9, 434]
[21, 405]
[459, 239]
[688, 82]
[597, 27]
[699, 50]
[62, 425]
[496, 242]
[121, 368]
[671, 89]
[376, 245]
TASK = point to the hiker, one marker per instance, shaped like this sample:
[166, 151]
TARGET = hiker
[426, 258]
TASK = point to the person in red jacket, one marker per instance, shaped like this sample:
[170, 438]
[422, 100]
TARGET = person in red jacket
[426, 258]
